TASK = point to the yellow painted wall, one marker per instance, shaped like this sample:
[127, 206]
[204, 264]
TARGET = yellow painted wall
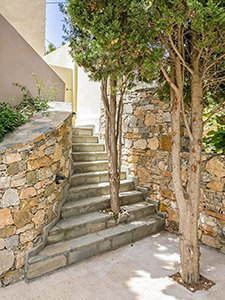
[28, 18]
[67, 76]
[61, 62]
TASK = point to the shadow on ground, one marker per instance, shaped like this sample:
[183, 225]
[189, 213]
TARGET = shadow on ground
[134, 272]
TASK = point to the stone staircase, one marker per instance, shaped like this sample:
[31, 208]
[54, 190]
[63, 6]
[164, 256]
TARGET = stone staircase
[83, 231]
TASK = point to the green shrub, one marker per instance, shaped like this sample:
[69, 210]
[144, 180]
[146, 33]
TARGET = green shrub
[9, 119]
[12, 117]
[214, 139]
[32, 104]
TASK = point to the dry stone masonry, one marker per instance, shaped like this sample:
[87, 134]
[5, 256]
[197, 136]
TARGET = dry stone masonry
[147, 154]
[30, 160]
[86, 228]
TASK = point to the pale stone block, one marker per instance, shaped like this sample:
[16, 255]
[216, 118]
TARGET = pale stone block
[12, 242]
[150, 119]
[10, 198]
[46, 266]
[153, 143]
[215, 167]
[6, 260]
[4, 182]
[140, 144]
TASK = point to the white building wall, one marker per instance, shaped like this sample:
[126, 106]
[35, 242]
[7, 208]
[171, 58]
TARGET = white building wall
[88, 100]
[87, 93]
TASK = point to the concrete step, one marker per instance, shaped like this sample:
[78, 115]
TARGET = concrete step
[92, 177]
[84, 139]
[82, 131]
[84, 206]
[89, 156]
[97, 189]
[74, 227]
[88, 147]
[76, 250]
[90, 166]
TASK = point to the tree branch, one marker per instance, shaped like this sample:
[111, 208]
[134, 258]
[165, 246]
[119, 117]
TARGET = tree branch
[171, 84]
[214, 111]
[104, 95]
[212, 64]
[220, 80]
[165, 43]
[186, 120]
[179, 55]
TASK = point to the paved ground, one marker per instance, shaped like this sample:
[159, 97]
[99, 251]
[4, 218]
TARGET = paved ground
[129, 273]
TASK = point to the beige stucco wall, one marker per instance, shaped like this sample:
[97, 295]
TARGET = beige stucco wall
[28, 18]
[18, 60]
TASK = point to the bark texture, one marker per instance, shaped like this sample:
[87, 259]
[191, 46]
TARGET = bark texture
[113, 134]
[187, 198]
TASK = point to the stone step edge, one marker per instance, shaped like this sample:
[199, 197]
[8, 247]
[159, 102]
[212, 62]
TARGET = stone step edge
[99, 217]
[89, 153]
[91, 204]
[110, 239]
[84, 163]
[92, 173]
[84, 136]
[77, 189]
[102, 198]
[83, 127]
[88, 144]
[82, 132]
[95, 190]
[75, 136]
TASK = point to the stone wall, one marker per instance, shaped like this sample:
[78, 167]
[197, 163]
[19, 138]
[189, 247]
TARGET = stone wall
[147, 155]
[30, 159]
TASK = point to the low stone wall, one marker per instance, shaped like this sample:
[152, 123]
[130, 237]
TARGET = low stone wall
[147, 154]
[30, 159]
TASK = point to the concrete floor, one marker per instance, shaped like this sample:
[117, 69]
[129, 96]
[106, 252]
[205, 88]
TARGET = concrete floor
[138, 273]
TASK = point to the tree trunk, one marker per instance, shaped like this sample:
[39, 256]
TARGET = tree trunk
[189, 243]
[187, 198]
[188, 201]
[189, 246]
[112, 132]
[113, 152]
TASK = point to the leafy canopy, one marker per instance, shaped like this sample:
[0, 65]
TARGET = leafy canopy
[111, 37]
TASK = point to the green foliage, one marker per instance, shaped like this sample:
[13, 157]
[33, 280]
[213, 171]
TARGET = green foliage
[123, 37]
[214, 140]
[39, 103]
[12, 117]
[110, 38]
[51, 48]
[214, 131]
[204, 20]
[9, 119]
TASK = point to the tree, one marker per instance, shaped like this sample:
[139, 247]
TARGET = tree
[185, 40]
[192, 33]
[103, 44]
